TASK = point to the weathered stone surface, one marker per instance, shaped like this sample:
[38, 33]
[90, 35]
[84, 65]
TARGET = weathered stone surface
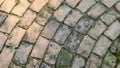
[109, 16]
[33, 32]
[102, 45]
[72, 18]
[86, 46]
[2, 17]
[113, 30]
[50, 29]
[40, 47]
[43, 16]
[62, 34]
[52, 53]
[109, 3]
[43, 65]
[27, 19]
[78, 62]
[97, 29]
[109, 61]
[1, 1]
[86, 4]
[96, 10]
[6, 56]
[22, 53]
[38, 4]
[61, 13]
[55, 3]
[20, 8]
[3, 38]
[15, 37]
[83, 25]
[73, 41]
[93, 62]
[9, 24]
[64, 59]
[72, 3]
[117, 6]
[12, 65]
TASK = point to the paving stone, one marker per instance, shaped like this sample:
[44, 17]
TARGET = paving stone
[109, 3]
[61, 13]
[86, 46]
[27, 19]
[33, 63]
[78, 62]
[64, 59]
[93, 62]
[22, 53]
[3, 38]
[9, 24]
[117, 6]
[38, 4]
[109, 16]
[109, 60]
[113, 30]
[6, 56]
[8, 5]
[12, 65]
[97, 29]
[96, 10]
[55, 3]
[52, 53]
[1, 1]
[40, 47]
[33, 32]
[62, 34]
[73, 41]
[43, 65]
[43, 17]
[83, 25]
[15, 37]
[2, 17]
[72, 3]
[102, 45]
[21, 7]
[50, 29]
[86, 4]
[72, 18]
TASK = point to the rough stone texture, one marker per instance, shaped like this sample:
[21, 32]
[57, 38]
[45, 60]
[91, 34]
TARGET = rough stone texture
[109, 3]
[96, 10]
[61, 13]
[22, 53]
[52, 53]
[62, 34]
[38, 4]
[55, 3]
[78, 62]
[2, 17]
[102, 45]
[6, 56]
[27, 19]
[9, 24]
[73, 41]
[15, 37]
[86, 4]
[113, 30]
[3, 38]
[72, 18]
[64, 59]
[40, 47]
[33, 33]
[50, 29]
[93, 62]
[43, 65]
[72, 3]
[86, 46]
[97, 29]
[117, 6]
[83, 25]
[109, 16]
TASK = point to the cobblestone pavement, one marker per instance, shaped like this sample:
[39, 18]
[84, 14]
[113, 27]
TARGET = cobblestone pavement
[59, 33]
